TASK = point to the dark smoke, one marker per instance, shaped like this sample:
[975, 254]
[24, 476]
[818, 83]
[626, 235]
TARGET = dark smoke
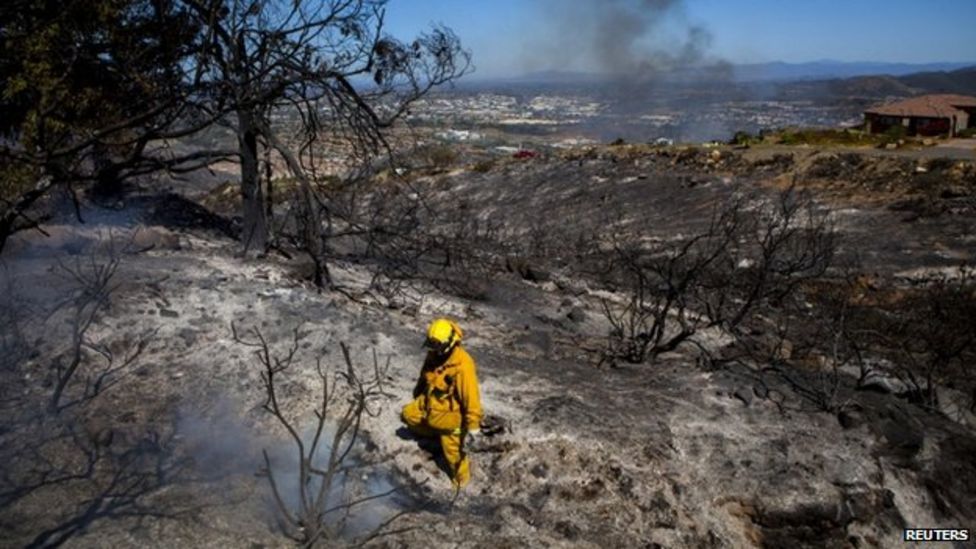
[636, 41]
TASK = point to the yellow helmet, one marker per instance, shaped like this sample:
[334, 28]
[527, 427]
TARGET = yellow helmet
[442, 335]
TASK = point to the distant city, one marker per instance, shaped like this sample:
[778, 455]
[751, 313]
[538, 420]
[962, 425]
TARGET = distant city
[570, 108]
[572, 118]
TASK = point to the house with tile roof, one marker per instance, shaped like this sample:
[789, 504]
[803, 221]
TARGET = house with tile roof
[937, 114]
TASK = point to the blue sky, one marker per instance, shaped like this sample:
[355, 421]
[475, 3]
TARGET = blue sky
[506, 36]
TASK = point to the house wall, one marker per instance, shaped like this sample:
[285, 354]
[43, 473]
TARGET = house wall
[914, 125]
[929, 126]
[876, 123]
[879, 124]
[968, 120]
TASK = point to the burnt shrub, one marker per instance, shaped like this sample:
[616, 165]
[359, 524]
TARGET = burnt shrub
[438, 156]
[915, 341]
[928, 335]
[753, 256]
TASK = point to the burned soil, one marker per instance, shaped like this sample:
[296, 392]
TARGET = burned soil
[694, 446]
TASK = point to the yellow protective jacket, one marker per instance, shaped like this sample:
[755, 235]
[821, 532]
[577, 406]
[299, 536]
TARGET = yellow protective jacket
[450, 389]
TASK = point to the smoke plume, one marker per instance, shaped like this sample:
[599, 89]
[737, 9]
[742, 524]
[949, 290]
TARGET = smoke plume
[628, 40]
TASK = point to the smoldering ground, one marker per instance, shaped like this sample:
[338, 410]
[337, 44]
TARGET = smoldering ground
[163, 437]
[670, 453]
[226, 445]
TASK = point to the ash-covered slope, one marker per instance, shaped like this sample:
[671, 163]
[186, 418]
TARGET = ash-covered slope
[677, 452]
[672, 452]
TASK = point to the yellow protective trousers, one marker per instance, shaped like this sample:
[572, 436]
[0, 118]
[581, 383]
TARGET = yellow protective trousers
[415, 416]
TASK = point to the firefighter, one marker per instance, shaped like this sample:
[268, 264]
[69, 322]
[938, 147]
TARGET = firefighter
[446, 400]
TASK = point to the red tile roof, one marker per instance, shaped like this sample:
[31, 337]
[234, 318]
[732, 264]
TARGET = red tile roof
[929, 106]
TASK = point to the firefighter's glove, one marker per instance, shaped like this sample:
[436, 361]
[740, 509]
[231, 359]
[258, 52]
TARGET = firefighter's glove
[474, 440]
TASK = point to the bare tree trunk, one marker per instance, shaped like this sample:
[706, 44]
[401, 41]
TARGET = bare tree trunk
[255, 230]
[311, 221]
[312, 233]
[268, 183]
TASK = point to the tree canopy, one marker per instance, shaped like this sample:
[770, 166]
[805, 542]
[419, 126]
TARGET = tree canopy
[95, 91]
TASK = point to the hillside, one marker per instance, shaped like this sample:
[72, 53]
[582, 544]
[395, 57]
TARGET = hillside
[960, 81]
[704, 444]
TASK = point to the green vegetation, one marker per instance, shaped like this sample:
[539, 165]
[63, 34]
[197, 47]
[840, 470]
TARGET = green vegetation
[71, 70]
[745, 138]
[848, 137]
[88, 87]
[15, 179]
[83, 84]
[810, 136]
[894, 134]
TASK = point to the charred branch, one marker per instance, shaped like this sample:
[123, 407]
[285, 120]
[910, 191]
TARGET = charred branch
[345, 396]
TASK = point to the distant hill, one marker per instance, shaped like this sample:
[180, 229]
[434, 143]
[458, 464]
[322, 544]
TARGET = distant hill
[872, 86]
[961, 81]
[828, 69]
[855, 92]
[776, 71]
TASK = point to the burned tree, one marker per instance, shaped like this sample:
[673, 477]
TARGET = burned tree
[865, 333]
[817, 353]
[90, 362]
[415, 243]
[306, 62]
[94, 287]
[14, 347]
[92, 92]
[922, 335]
[753, 255]
[319, 511]
[661, 285]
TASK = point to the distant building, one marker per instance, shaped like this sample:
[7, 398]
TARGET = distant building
[941, 114]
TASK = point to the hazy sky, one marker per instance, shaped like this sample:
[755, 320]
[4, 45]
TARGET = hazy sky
[516, 36]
